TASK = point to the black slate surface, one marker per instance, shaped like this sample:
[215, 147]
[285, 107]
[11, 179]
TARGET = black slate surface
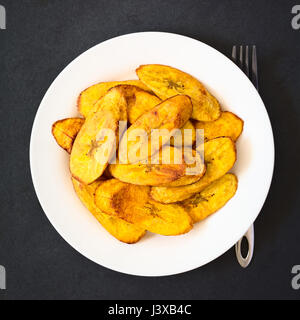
[42, 37]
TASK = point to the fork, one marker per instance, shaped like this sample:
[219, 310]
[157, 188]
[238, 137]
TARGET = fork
[247, 61]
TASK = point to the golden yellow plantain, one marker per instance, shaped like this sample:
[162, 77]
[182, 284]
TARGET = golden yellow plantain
[120, 229]
[193, 172]
[166, 173]
[151, 174]
[93, 147]
[219, 156]
[132, 203]
[166, 82]
[138, 101]
[65, 132]
[171, 114]
[228, 125]
[91, 95]
[185, 142]
[212, 198]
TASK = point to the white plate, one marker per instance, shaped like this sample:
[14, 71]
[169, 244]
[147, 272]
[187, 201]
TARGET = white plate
[154, 255]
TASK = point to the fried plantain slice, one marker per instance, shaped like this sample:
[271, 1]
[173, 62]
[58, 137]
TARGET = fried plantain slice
[166, 82]
[228, 125]
[91, 95]
[219, 156]
[65, 131]
[152, 174]
[132, 203]
[171, 114]
[166, 173]
[185, 142]
[118, 228]
[94, 145]
[138, 101]
[196, 170]
[212, 198]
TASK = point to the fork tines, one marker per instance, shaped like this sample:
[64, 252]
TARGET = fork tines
[247, 61]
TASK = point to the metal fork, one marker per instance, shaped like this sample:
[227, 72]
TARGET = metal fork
[247, 61]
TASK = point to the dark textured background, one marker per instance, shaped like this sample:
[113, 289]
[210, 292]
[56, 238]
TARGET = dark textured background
[42, 37]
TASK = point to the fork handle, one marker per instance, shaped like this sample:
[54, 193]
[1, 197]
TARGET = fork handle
[249, 236]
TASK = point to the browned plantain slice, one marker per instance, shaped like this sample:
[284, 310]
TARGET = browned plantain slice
[166, 82]
[212, 198]
[120, 229]
[93, 147]
[171, 114]
[65, 132]
[166, 173]
[185, 142]
[138, 101]
[151, 174]
[219, 156]
[131, 203]
[228, 125]
[91, 95]
[193, 172]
